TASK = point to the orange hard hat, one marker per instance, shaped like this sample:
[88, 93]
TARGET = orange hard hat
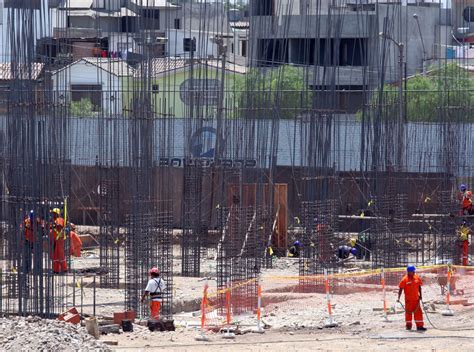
[154, 270]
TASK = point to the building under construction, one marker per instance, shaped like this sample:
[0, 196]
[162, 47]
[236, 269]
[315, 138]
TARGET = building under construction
[165, 123]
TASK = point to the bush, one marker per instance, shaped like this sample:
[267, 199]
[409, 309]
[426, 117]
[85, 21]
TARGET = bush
[82, 108]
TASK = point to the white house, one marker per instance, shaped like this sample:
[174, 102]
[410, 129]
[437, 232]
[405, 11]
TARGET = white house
[100, 80]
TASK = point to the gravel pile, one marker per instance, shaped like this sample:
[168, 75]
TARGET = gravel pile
[36, 334]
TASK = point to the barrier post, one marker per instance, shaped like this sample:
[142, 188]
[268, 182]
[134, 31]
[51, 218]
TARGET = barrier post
[330, 323]
[259, 328]
[202, 336]
[228, 334]
[385, 315]
[448, 311]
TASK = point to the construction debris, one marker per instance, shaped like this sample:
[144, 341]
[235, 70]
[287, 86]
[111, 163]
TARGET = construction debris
[35, 334]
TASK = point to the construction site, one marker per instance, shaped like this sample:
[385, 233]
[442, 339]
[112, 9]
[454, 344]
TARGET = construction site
[281, 167]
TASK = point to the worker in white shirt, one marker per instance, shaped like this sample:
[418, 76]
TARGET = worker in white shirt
[155, 288]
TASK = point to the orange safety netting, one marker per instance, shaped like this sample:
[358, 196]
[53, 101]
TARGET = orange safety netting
[342, 296]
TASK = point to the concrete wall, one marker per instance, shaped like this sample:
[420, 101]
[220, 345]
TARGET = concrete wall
[86, 73]
[85, 180]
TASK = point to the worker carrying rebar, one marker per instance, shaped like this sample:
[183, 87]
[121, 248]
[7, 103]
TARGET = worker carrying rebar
[411, 287]
[57, 237]
[463, 243]
[465, 198]
[295, 250]
[343, 252]
[155, 289]
[76, 243]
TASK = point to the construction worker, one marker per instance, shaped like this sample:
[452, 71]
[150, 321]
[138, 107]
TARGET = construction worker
[352, 242]
[464, 231]
[411, 286]
[155, 288]
[465, 197]
[343, 252]
[295, 250]
[29, 239]
[76, 243]
[57, 236]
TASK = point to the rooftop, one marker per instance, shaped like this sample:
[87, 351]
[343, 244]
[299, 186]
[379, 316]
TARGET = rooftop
[24, 72]
[163, 65]
[117, 67]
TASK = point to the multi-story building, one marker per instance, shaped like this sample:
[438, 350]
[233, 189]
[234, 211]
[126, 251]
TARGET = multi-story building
[348, 46]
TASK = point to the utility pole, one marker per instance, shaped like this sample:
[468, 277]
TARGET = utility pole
[222, 52]
[401, 119]
[415, 16]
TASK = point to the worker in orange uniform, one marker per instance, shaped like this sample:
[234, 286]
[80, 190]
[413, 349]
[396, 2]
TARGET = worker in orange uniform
[58, 237]
[29, 239]
[465, 197]
[155, 288]
[76, 243]
[411, 286]
[464, 231]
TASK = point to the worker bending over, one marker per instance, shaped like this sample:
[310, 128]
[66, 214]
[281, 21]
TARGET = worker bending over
[343, 252]
[295, 250]
[76, 243]
[411, 286]
[155, 288]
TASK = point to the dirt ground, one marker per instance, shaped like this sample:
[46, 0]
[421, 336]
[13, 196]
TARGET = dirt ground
[382, 337]
[294, 320]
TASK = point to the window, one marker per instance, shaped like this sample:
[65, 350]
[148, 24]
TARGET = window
[263, 7]
[468, 14]
[200, 91]
[91, 92]
[177, 23]
[155, 88]
[150, 19]
[243, 50]
[128, 24]
[189, 44]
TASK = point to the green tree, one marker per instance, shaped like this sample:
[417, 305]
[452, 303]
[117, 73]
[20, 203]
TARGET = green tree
[444, 94]
[282, 92]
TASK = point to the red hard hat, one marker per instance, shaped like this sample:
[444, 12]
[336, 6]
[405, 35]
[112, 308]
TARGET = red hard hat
[154, 270]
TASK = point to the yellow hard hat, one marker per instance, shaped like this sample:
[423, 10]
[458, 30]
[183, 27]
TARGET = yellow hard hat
[56, 211]
[353, 241]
